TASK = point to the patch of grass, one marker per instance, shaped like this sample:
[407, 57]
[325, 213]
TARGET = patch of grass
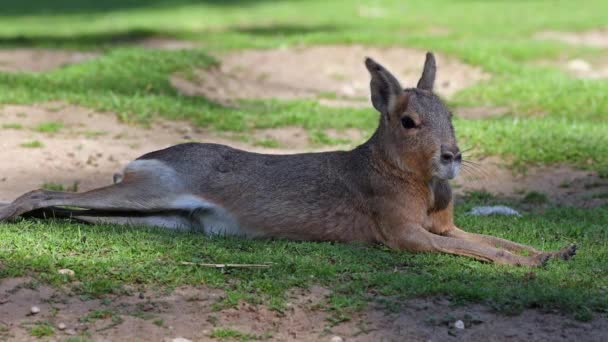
[159, 322]
[94, 134]
[102, 314]
[78, 339]
[98, 287]
[49, 127]
[232, 334]
[96, 315]
[534, 197]
[32, 144]
[267, 142]
[601, 195]
[42, 329]
[12, 126]
[322, 138]
[60, 187]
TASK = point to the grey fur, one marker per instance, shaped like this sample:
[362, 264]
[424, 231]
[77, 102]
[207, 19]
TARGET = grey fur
[427, 80]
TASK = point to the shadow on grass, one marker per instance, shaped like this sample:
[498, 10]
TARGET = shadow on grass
[58, 7]
[124, 38]
[283, 29]
[80, 41]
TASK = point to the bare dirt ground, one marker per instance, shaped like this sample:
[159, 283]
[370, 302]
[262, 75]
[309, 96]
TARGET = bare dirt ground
[595, 67]
[40, 59]
[592, 68]
[337, 77]
[561, 184]
[594, 38]
[37, 60]
[147, 315]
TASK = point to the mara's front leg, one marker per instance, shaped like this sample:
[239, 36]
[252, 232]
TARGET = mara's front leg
[415, 238]
[565, 253]
[441, 222]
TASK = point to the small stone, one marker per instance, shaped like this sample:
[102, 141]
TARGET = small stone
[337, 339]
[34, 310]
[180, 339]
[67, 271]
[459, 324]
[61, 326]
[141, 295]
[579, 65]
[70, 332]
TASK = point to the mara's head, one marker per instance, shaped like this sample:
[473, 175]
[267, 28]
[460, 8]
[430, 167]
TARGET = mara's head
[415, 129]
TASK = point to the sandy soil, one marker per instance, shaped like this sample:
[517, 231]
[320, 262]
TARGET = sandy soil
[336, 77]
[595, 67]
[561, 184]
[146, 315]
[591, 68]
[594, 38]
[37, 60]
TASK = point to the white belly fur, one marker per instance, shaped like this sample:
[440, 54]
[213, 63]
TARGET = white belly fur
[205, 215]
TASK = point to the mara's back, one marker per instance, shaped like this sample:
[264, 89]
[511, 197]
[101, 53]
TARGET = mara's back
[308, 196]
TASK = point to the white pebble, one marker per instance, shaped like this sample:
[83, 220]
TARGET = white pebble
[66, 271]
[180, 339]
[34, 310]
[61, 326]
[337, 339]
[459, 324]
[579, 65]
[494, 210]
[70, 332]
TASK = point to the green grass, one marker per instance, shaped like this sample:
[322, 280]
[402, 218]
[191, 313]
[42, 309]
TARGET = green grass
[232, 335]
[49, 127]
[12, 126]
[107, 258]
[32, 144]
[42, 330]
[267, 142]
[60, 187]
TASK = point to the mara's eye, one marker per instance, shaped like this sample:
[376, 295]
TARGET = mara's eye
[408, 123]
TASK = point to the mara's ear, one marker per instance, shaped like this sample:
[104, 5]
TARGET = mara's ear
[384, 87]
[428, 74]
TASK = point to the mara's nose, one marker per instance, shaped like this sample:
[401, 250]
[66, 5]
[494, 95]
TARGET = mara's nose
[450, 155]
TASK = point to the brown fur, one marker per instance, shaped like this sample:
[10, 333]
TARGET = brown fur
[393, 189]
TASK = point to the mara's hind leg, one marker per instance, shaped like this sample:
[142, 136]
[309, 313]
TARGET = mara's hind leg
[565, 253]
[172, 219]
[148, 186]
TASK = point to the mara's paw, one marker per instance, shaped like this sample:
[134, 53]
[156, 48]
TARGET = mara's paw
[566, 253]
